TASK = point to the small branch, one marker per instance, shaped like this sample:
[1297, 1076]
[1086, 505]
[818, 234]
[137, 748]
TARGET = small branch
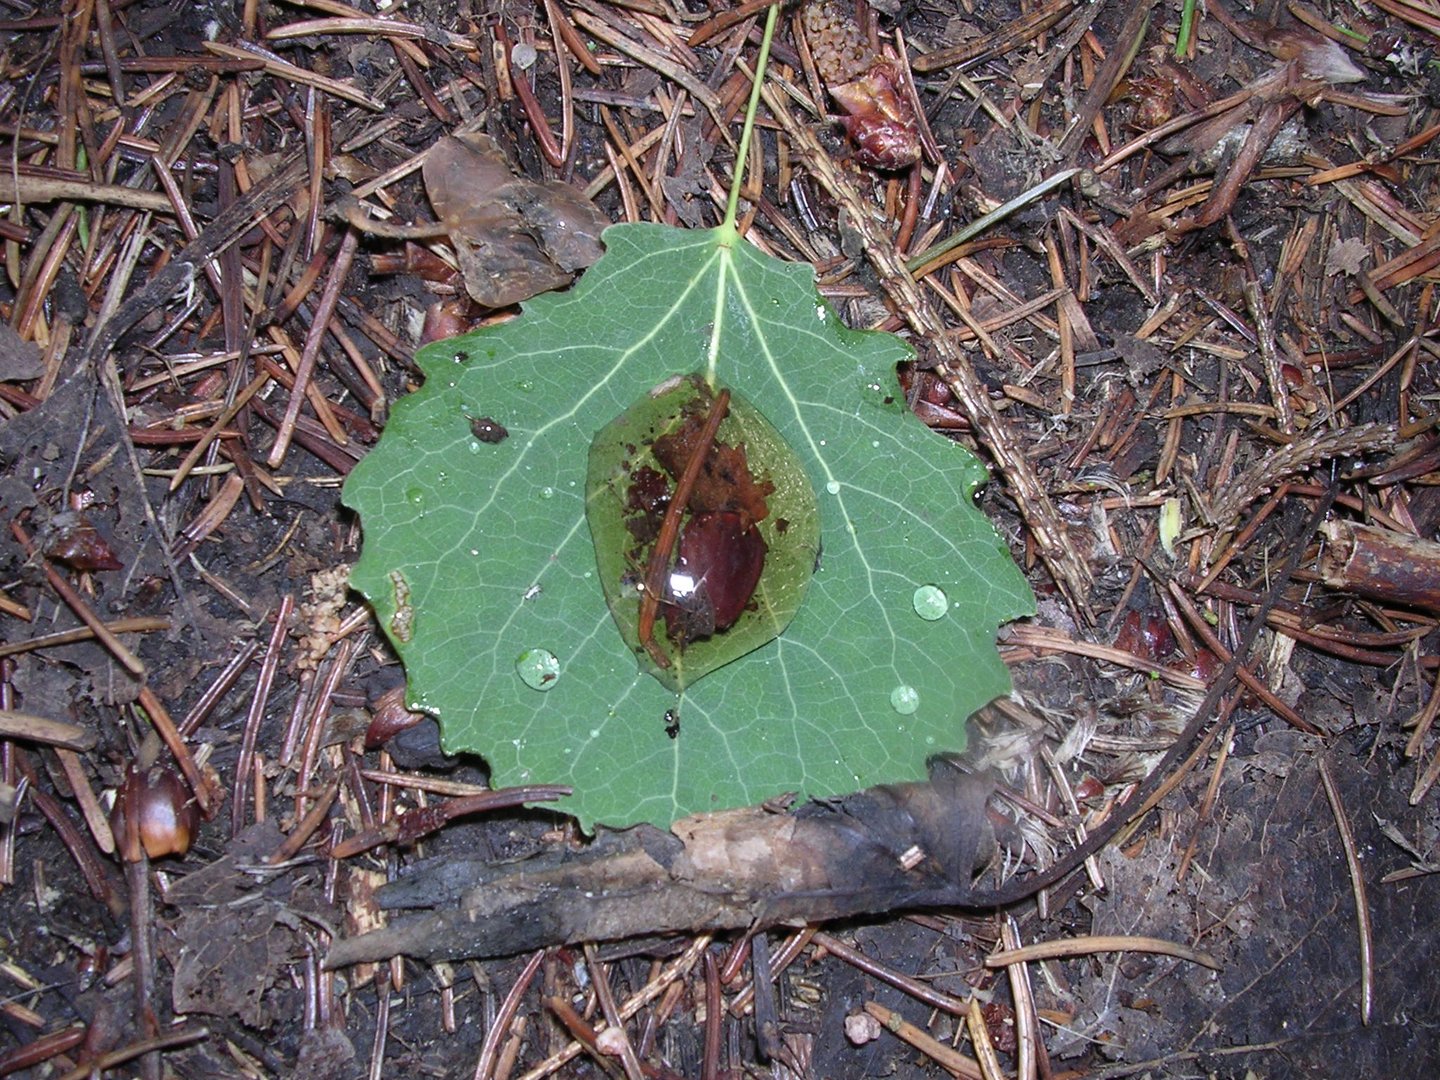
[1381, 563]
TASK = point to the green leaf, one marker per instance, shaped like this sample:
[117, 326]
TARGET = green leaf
[479, 563]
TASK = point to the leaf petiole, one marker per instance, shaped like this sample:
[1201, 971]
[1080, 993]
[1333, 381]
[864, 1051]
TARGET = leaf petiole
[742, 152]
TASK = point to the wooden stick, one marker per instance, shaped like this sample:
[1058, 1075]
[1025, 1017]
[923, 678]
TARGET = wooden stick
[18, 725]
[1382, 564]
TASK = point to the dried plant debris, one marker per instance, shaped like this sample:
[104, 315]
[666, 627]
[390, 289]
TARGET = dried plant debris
[233, 937]
[20, 360]
[882, 849]
[868, 87]
[514, 237]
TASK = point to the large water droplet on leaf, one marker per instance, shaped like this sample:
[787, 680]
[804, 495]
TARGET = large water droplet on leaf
[538, 668]
[930, 602]
[728, 568]
[904, 700]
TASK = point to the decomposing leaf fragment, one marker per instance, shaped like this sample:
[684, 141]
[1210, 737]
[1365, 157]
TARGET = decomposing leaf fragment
[702, 518]
[514, 237]
[79, 545]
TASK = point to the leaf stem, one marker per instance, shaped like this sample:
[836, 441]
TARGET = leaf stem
[742, 153]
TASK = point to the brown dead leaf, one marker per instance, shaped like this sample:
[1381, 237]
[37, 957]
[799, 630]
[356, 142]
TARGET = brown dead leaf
[514, 237]
[229, 942]
[1346, 256]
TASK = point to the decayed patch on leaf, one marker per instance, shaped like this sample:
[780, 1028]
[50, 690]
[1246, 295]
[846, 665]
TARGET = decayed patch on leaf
[704, 521]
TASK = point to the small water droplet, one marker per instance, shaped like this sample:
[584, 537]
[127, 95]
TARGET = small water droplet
[526, 385]
[904, 700]
[415, 495]
[833, 487]
[930, 602]
[539, 669]
[547, 493]
[875, 444]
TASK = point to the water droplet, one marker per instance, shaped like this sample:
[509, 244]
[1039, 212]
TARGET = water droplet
[539, 669]
[930, 602]
[526, 385]
[904, 700]
[415, 495]
[547, 493]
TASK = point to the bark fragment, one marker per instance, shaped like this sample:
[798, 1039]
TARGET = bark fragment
[884, 848]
